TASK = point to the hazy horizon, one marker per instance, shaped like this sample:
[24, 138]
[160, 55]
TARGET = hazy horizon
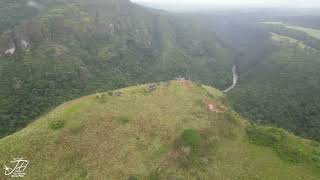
[196, 4]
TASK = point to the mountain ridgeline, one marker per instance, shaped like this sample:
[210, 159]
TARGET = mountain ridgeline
[54, 51]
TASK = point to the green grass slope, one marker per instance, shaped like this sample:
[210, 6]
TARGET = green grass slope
[178, 130]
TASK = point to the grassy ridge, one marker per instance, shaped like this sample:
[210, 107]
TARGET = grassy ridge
[310, 31]
[168, 132]
[285, 40]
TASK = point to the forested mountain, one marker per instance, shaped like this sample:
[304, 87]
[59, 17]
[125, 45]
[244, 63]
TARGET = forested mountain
[278, 63]
[54, 51]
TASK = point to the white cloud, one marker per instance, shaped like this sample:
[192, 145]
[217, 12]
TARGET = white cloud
[34, 4]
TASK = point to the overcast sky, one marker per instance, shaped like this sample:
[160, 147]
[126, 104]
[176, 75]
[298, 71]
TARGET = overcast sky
[249, 3]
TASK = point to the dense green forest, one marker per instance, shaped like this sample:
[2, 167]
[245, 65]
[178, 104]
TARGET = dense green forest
[279, 81]
[65, 50]
[282, 90]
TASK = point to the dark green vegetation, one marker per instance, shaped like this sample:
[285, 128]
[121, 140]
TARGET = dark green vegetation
[169, 133]
[283, 90]
[285, 145]
[279, 80]
[191, 137]
[56, 124]
[67, 49]
[14, 12]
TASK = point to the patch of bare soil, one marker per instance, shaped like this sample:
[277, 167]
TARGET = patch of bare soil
[214, 107]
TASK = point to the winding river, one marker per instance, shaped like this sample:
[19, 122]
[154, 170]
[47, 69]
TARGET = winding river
[235, 79]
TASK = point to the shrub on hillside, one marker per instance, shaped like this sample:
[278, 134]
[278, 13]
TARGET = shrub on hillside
[191, 138]
[102, 98]
[267, 137]
[110, 93]
[122, 119]
[56, 124]
[133, 177]
[288, 147]
[154, 175]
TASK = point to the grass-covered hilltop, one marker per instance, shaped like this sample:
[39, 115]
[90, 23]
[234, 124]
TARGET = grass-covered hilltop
[169, 130]
[55, 51]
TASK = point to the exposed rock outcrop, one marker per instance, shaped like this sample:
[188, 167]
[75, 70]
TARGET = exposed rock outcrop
[21, 38]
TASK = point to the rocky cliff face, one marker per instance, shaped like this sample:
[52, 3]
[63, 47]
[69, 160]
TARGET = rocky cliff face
[74, 19]
[21, 38]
